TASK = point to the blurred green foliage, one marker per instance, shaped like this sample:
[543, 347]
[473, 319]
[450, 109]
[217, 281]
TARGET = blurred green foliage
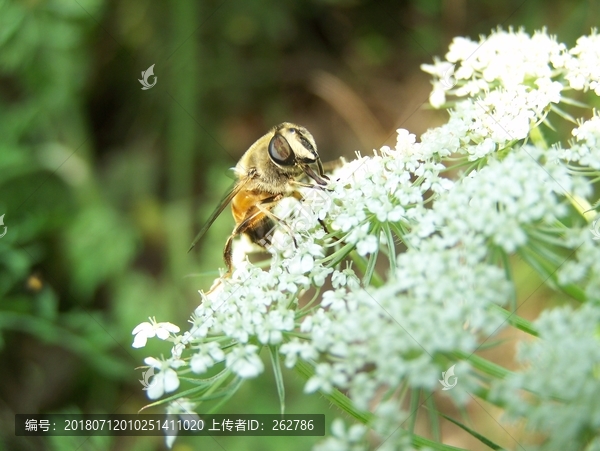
[101, 182]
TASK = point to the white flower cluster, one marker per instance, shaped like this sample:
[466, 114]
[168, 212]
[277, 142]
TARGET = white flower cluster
[252, 306]
[387, 426]
[437, 302]
[439, 298]
[510, 80]
[582, 64]
[584, 268]
[390, 187]
[585, 148]
[504, 58]
[182, 409]
[257, 306]
[562, 370]
[502, 199]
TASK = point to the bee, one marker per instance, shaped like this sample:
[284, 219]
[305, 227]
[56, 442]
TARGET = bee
[268, 171]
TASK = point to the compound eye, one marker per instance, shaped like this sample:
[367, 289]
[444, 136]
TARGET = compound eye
[280, 151]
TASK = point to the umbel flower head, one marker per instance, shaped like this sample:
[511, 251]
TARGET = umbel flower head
[403, 266]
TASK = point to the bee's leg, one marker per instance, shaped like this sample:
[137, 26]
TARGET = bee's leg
[252, 215]
[324, 226]
[277, 220]
[227, 258]
[227, 253]
[243, 226]
[308, 185]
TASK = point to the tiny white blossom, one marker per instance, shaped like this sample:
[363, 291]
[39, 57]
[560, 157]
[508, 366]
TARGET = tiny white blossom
[561, 368]
[151, 329]
[207, 355]
[583, 62]
[325, 378]
[166, 380]
[296, 348]
[244, 361]
[344, 439]
[182, 408]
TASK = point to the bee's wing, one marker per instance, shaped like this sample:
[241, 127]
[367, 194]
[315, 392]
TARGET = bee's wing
[233, 190]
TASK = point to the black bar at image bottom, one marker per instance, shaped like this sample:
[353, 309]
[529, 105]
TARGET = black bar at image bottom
[171, 424]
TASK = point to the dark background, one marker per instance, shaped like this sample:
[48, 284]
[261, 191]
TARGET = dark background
[103, 185]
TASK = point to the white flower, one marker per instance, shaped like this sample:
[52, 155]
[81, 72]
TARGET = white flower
[150, 329]
[325, 378]
[183, 408]
[166, 380]
[511, 73]
[296, 348]
[273, 324]
[582, 65]
[207, 355]
[423, 310]
[244, 361]
[446, 240]
[437, 97]
[342, 439]
[406, 142]
[368, 245]
[561, 369]
[301, 264]
[345, 278]
[501, 199]
[585, 149]
[504, 57]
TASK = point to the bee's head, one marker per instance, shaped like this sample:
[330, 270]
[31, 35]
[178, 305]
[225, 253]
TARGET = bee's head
[293, 145]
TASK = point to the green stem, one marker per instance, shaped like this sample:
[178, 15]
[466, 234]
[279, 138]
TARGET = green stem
[516, 321]
[483, 365]
[362, 264]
